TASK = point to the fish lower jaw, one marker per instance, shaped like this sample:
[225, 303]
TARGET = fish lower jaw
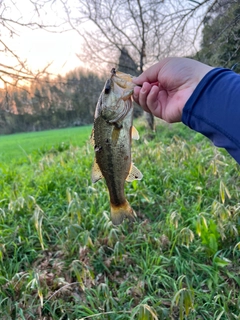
[120, 212]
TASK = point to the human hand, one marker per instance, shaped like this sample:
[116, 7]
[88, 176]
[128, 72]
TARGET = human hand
[167, 85]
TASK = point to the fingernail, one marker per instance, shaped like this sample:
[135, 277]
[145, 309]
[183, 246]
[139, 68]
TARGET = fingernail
[134, 79]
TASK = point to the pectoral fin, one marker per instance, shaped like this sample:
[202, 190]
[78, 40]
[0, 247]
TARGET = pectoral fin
[134, 174]
[135, 134]
[96, 172]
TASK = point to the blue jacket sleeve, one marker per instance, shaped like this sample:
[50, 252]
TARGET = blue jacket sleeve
[214, 110]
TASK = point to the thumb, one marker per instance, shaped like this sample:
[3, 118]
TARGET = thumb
[137, 80]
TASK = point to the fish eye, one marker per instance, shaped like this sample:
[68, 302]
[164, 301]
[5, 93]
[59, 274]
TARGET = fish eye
[107, 87]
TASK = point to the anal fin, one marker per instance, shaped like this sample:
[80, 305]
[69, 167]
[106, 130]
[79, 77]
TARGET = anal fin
[134, 174]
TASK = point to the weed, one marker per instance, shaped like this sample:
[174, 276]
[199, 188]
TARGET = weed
[61, 257]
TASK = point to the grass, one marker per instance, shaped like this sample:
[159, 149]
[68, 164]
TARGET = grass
[61, 257]
[20, 146]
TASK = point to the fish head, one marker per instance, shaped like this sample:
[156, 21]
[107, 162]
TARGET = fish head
[115, 100]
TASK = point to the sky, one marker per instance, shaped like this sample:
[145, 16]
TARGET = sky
[38, 47]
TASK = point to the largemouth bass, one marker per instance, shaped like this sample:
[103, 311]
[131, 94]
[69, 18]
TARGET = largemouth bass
[112, 136]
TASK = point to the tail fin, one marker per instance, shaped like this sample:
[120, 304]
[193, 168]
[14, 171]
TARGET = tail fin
[120, 212]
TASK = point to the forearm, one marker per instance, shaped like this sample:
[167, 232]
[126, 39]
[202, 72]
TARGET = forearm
[214, 110]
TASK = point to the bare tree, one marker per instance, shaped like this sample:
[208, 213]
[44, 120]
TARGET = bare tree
[147, 29]
[108, 26]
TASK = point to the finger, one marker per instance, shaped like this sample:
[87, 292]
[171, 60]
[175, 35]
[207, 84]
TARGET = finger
[151, 74]
[152, 100]
[136, 91]
[143, 93]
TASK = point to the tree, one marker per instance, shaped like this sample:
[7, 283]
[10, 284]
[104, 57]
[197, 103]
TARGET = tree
[126, 63]
[65, 101]
[130, 28]
[220, 44]
[141, 31]
[147, 30]
[109, 26]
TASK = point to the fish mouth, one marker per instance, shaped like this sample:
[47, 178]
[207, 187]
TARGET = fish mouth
[107, 87]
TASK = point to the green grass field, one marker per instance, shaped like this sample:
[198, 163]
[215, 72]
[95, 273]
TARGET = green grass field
[20, 146]
[61, 257]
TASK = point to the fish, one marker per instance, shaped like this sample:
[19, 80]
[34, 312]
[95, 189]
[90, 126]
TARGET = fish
[112, 136]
